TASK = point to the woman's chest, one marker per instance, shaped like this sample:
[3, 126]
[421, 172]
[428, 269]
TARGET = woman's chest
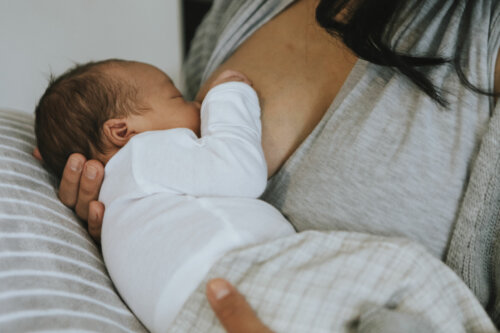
[297, 69]
[385, 161]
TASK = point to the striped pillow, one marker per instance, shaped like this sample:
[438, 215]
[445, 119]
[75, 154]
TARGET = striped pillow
[52, 276]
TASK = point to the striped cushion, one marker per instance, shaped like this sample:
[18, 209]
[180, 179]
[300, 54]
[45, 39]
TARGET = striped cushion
[52, 276]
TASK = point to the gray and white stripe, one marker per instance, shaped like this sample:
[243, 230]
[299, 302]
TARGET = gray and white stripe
[52, 276]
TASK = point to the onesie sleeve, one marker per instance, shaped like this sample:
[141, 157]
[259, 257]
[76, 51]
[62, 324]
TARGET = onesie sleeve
[227, 160]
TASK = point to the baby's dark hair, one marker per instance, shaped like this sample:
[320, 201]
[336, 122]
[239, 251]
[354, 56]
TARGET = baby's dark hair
[71, 113]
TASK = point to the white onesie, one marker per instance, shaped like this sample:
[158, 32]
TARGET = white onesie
[175, 203]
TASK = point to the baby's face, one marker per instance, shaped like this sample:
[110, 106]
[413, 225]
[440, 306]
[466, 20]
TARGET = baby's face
[166, 108]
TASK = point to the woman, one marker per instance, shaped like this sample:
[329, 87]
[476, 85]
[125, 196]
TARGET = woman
[391, 155]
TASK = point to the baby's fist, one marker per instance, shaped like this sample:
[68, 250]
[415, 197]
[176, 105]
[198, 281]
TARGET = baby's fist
[230, 75]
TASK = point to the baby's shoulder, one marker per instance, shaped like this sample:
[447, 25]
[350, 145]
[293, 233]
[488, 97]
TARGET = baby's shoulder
[151, 138]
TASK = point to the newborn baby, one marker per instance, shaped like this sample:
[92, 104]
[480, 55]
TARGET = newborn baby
[181, 185]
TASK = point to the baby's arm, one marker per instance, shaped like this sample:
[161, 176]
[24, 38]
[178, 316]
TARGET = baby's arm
[226, 161]
[231, 137]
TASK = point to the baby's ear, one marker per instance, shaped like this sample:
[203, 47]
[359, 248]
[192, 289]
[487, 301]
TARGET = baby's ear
[118, 131]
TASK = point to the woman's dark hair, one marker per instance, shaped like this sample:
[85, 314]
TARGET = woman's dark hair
[366, 30]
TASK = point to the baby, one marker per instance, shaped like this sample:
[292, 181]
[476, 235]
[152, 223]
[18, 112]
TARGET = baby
[181, 184]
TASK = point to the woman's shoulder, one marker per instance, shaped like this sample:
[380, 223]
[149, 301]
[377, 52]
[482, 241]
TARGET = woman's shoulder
[226, 20]
[422, 25]
[205, 40]
[465, 30]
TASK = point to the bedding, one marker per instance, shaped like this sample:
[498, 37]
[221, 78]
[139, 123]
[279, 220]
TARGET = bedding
[342, 282]
[52, 276]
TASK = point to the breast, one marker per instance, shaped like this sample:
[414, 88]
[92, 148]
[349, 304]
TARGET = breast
[387, 161]
[297, 70]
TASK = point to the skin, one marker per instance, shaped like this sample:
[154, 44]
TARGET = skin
[231, 308]
[297, 79]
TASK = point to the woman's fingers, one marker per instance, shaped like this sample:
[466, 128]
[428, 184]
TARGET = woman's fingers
[79, 189]
[90, 185]
[70, 182]
[233, 311]
[96, 214]
[37, 155]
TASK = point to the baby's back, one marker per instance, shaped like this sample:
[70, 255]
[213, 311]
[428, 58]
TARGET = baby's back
[158, 248]
[159, 242]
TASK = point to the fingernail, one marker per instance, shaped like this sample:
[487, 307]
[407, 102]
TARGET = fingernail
[220, 289]
[90, 172]
[75, 165]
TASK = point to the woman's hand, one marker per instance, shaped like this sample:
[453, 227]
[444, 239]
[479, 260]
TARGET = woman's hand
[233, 311]
[79, 189]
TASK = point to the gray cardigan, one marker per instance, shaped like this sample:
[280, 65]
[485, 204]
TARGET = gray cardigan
[474, 251]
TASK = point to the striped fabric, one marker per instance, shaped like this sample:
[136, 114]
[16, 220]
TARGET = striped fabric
[52, 276]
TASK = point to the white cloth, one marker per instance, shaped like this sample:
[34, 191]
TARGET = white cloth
[175, 203]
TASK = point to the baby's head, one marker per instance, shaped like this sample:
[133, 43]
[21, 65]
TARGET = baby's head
[95, 108]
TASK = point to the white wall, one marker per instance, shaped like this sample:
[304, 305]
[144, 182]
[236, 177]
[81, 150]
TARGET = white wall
[39, 37]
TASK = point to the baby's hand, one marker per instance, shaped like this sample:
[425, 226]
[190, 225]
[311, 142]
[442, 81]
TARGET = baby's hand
[229, 75]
